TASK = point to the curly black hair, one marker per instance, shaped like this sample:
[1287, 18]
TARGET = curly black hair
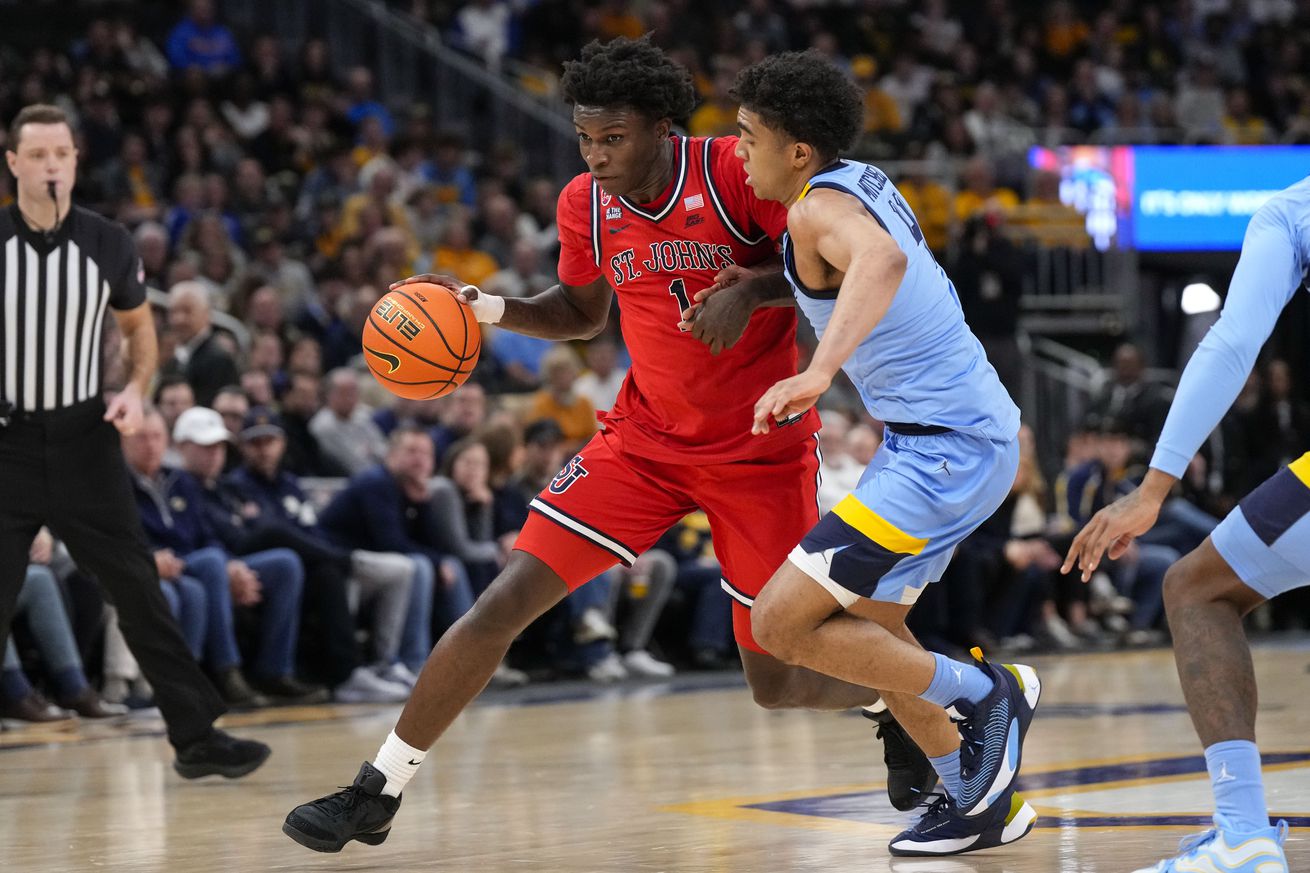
[805, 96]
[630, 73]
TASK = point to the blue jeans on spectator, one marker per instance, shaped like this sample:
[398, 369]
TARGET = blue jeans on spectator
[593, 595]
[451, 600]
[208, 566]
[1143, 582]
[282, 579]
[40, 603]
[190, 606]
[416, 640]
[711, 608]
[1182, 526]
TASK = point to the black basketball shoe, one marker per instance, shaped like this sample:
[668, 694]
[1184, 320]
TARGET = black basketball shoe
[220, 754]
[361, 812]
[910, 776]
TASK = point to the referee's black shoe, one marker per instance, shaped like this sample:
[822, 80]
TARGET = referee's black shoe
[361, 812]
[910, 776]
[220, 754]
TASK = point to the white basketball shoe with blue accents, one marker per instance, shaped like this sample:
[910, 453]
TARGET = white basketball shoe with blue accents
[1217, 851]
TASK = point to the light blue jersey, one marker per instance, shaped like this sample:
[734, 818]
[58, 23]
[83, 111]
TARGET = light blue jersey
[1266, 539]
[951, 451]
[921, 364]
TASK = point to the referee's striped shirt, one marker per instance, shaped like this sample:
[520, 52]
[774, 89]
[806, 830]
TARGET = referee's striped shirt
[52, 305]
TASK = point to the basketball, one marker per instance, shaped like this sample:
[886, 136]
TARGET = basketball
[421, 341]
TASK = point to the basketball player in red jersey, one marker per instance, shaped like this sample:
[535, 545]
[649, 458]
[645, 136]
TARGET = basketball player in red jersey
[656, 219]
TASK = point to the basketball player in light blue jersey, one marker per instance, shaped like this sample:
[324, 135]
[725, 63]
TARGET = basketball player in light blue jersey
[1259, 551]
[887, 314]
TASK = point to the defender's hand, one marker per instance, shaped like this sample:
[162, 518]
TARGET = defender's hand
[789, 397]
[1112, 529]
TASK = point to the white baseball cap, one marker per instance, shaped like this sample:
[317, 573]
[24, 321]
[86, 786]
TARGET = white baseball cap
[201, 426]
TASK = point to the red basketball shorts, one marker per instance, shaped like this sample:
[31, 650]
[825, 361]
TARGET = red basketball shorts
[607, 506]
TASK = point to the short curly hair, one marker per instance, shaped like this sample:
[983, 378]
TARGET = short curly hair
[805, 96]
[630, 73]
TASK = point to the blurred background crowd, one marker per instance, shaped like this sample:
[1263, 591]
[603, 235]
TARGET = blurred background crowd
[315, 534]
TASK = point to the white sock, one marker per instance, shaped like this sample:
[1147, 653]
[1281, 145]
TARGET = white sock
[876, 708]
[398, 761]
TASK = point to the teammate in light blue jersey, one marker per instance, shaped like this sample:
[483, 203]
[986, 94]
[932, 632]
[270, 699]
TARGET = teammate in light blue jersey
[886, 313]
[1259, 551]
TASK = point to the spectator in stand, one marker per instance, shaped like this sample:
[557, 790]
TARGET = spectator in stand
[1130, 397]
[450, 173]
[604, 377]
[523, 277]
[41, 607]
[363, 104]
[1139, 573]
[386, 580]
[200, 42]
[172, 397]
[243, 529]
[389, 508]
[559, 400]
[501, 221]
[717, 115]
[344, 428]
[1281, 418]
[185, 547]
[465, 411]
[300, 403]
[199, 356]
[988, 272]
[882, 114]
[980, 192]
[455, 255]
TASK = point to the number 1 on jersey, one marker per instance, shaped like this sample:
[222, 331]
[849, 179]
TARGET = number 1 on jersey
[678, 289]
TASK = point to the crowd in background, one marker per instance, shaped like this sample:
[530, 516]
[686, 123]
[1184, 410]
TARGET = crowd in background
[315, 534]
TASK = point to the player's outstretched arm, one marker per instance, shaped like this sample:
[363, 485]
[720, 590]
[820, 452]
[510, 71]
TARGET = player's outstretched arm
[561, 312]
[1115, 527]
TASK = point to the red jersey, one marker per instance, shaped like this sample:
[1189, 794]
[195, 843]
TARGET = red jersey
[680, 403]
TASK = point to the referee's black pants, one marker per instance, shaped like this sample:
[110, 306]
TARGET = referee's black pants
[65, 469]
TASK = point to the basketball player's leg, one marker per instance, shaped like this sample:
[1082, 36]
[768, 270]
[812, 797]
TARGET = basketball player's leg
[466, 656]
[1206, 602]
[1260, 550]
[599, 511]
[838, 604]
[754, 523]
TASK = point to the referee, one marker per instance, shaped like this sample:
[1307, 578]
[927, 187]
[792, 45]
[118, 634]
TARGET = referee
[60, 460]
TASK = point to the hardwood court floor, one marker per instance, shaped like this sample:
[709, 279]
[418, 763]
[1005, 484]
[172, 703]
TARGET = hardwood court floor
[651, 778]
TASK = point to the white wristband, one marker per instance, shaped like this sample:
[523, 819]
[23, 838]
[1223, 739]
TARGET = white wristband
[487, 308]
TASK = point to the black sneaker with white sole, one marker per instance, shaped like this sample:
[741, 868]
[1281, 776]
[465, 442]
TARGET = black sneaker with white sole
[910, 776]
[359, 812]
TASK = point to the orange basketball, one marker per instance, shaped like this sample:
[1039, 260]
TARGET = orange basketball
[421, 341]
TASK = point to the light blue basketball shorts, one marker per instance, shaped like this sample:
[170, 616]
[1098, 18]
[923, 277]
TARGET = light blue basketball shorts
[920, 497]
[1266, 538]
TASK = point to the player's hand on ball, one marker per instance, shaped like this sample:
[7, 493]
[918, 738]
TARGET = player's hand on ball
[789, 397]
[468, 292]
